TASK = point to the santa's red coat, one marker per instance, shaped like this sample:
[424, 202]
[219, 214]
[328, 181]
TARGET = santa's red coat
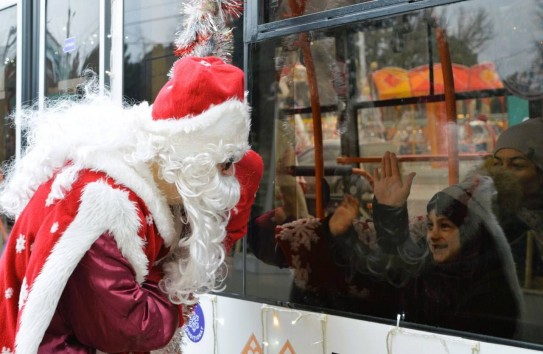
[51, 239]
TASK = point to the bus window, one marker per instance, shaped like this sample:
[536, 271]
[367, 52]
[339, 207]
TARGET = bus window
[437, 87]
[71, 44]
[8, 38]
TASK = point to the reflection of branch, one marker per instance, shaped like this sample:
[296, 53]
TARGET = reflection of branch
[12, 33]
[474, 30]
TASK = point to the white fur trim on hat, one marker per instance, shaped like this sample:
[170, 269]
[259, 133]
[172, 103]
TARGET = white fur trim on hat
[225, 124]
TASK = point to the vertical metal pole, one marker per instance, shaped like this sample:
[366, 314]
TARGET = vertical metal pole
[298, 9]
[41, 55]
[22, 28]
[102, 46]
[250, 24]
[450, 105]
[117, 36]
[317, 121]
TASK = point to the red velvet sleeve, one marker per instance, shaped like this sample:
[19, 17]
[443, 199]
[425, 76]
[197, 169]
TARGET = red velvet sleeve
[108, 310]
[249, 171]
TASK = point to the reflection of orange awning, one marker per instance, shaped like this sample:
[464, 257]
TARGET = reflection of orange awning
[483, 76]
[419, 79]
[391, 82]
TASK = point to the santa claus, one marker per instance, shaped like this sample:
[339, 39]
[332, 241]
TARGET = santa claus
[122, 212]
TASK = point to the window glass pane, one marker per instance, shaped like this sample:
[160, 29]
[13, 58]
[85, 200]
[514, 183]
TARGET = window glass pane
[149, 33]
[71, 43]
[8, 59]
[150, 30]
[8, 48]
[275, 10]
[437, 87]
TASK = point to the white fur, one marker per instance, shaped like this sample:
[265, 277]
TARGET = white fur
[102, 209]
[224, 124]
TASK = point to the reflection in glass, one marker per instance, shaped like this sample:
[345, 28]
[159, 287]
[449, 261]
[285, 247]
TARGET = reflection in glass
[149, 33]
[8, 63]
[71, 44]
[365, 88]
[275, 10]
[8, 60]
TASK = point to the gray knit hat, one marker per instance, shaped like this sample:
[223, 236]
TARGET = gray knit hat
[526, 137]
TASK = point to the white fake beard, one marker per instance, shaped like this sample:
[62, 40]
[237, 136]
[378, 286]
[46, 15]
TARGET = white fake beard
[196, 265]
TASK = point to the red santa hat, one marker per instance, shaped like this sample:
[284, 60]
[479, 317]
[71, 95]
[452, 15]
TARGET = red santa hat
[204, 100]
[202, 103]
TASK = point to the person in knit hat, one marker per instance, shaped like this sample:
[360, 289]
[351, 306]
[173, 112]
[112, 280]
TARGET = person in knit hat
[121, 213]
[518, 161]
[520, 150]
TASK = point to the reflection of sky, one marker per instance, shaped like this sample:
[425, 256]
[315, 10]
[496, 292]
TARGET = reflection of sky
[516, 29]
[83, 25]
[147, 24]
[8, 19]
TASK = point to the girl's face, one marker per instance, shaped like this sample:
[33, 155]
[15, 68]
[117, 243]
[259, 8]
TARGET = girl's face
[526, 171]
[443, 238]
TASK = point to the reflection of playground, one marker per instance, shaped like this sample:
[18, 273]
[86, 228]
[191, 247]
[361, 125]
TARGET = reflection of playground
[420, 127]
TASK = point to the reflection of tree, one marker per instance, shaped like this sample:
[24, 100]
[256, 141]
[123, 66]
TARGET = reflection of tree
[470, 33]
[403, 41]
[62, 66]
[527, 79]
[7, 131]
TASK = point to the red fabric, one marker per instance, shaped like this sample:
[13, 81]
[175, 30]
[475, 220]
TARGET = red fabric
[104, 307]
[37, 230]
[196, 85]
[249, 172]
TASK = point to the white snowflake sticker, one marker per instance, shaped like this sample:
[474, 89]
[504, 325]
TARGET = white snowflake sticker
[6, 350]
[54, 228]
[23, 294]
[149, 220]
[9, 293]
[20, 246]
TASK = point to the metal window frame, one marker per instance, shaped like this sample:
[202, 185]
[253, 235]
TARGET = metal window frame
[23, 65]
[371, 10]
[26, 65]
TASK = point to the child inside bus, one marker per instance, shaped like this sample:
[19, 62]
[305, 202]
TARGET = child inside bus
[466, 280]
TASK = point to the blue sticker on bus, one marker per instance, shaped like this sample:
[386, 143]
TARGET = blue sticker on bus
[69, 45]
[196, 326]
